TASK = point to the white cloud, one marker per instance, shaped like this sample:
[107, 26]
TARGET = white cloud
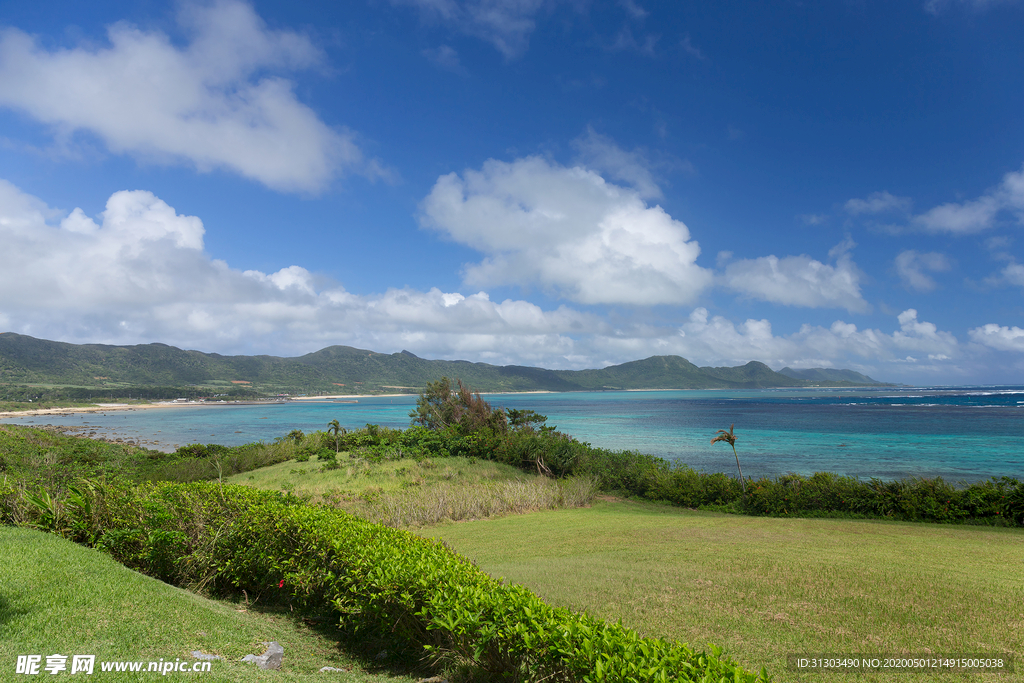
[977, 214]
[999, 337]
[625, 40]
[634, 10]
[1014, 274]
[800, 280]
[963, 218]
[999, 247]
[878, 202]
[445, 57]
[1011, 274]
[922, 337]
[911, 266]
[506, 24]
[215, 103]
[813, 218]
[692, 49]
[568, 230]
[600, 153]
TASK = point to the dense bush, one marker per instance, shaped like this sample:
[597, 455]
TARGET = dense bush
[198, 450]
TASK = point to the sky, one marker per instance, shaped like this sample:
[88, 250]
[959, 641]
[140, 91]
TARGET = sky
[557, 183]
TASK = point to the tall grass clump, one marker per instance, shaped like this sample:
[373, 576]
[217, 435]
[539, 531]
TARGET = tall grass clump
[453, 502]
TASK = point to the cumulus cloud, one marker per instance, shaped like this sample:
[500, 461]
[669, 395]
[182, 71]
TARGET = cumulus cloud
[568, 230]
[878, 202]
[506, 24]
[999, 337]
[218, 102]
[977, 214]
[911, 266]
[800, 280]
[922, 337]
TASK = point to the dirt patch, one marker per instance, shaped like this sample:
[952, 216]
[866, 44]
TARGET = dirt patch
[605, 498]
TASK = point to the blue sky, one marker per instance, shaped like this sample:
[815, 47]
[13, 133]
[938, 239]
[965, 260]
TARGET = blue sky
[569, 184]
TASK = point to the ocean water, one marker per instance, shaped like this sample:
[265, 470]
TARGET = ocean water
[958, 433]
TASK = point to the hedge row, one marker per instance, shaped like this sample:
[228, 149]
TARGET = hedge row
[381, 582]
[997, 502]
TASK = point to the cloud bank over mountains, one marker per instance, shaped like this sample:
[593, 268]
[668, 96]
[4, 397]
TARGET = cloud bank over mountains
[139, 272]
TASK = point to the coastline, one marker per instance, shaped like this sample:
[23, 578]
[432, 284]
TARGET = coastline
[106, 407]
[97, 408]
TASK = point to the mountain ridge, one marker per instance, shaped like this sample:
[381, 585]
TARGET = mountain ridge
[346, 369]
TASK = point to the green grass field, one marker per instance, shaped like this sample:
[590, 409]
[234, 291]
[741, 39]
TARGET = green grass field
[58, 597]
[764, 588]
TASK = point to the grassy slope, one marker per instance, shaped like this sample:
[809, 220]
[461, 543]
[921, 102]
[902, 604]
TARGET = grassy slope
[764, 588]
[58, 597]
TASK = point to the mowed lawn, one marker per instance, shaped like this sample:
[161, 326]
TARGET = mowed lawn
[765, 588]
[57, 597]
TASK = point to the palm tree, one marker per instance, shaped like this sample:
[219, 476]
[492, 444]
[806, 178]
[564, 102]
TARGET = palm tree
[730, 439]
[334, 426]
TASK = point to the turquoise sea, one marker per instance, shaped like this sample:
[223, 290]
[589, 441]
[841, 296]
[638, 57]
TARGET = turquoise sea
[958, 433]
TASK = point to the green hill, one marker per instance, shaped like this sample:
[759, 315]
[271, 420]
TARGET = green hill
[343, 369]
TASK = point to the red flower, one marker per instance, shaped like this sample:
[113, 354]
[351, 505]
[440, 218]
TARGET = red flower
[281, 585]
